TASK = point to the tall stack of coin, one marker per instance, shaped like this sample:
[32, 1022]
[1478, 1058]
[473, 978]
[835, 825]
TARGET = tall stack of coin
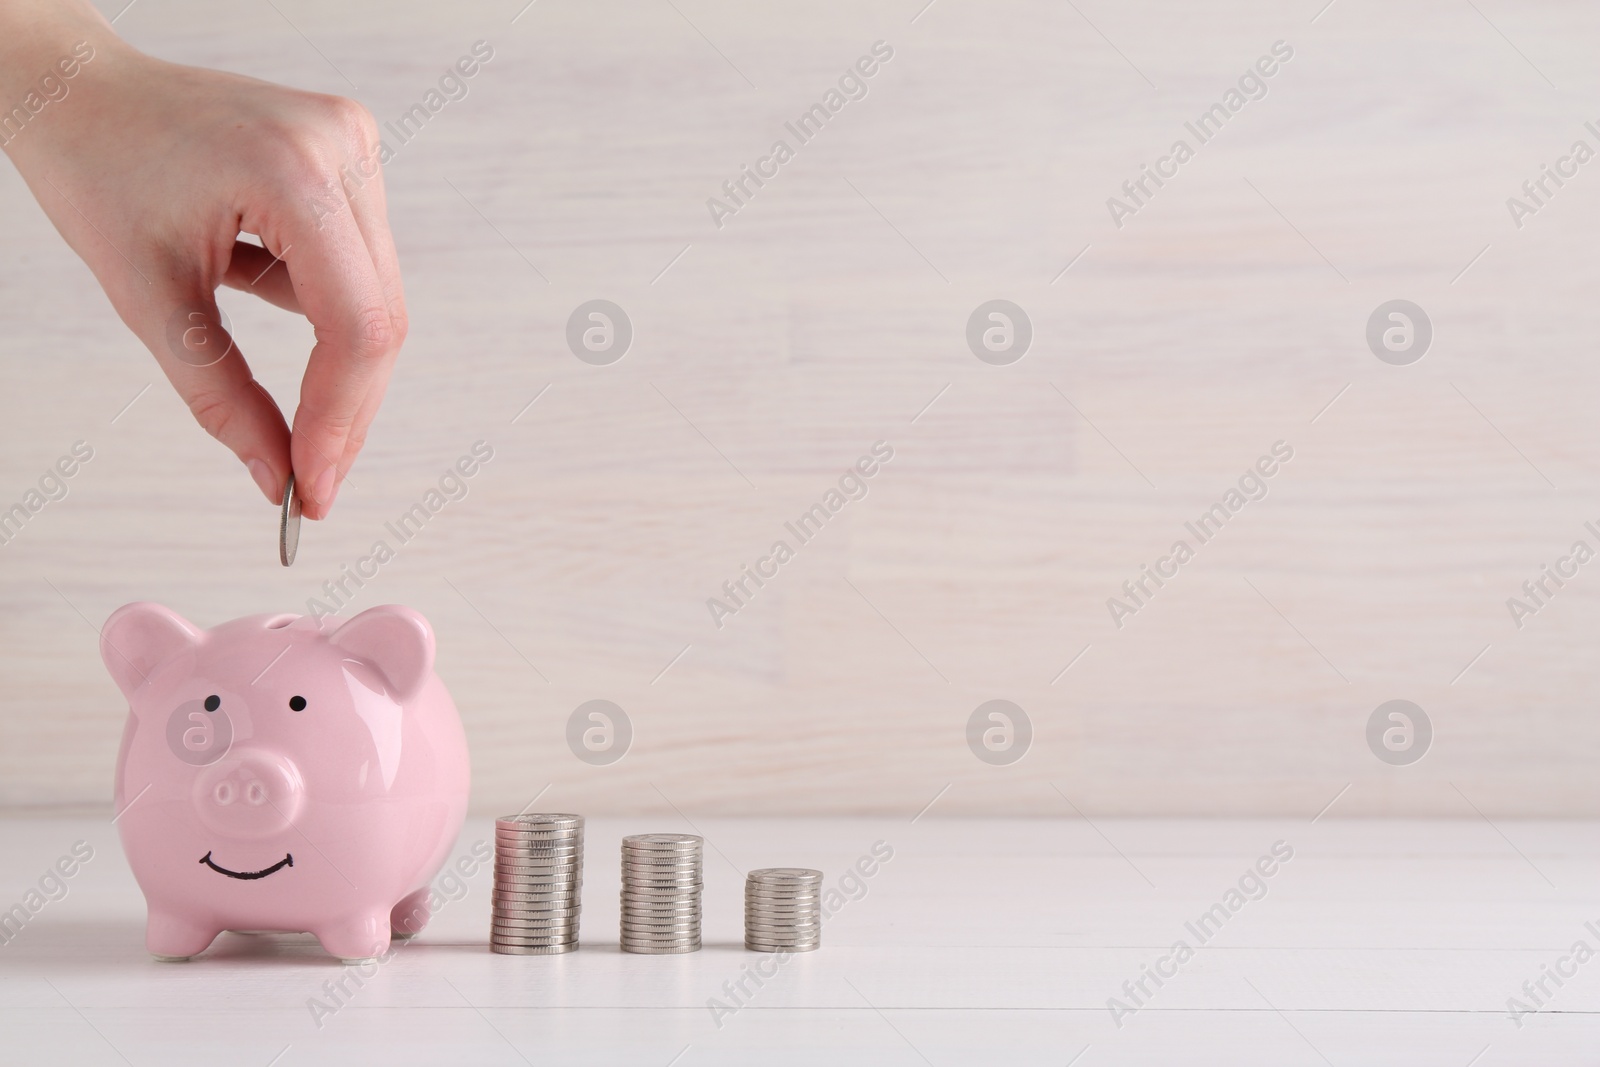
[538, 879]
[783, 909]
[661, 879]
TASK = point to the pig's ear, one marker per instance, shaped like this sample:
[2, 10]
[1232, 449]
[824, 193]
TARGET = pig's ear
[140, 637]
[397, 641]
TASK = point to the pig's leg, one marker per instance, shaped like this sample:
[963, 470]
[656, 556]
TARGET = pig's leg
[410, 915]
[170, 936]
[363, 936]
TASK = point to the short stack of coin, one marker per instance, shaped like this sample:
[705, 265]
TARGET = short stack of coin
[661, 880]
[538, 879]
[783, 909]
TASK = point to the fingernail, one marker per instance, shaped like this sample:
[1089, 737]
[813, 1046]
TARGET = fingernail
[322, 491]
[264, 478]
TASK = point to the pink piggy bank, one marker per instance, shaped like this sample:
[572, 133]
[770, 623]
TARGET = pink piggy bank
[275, 775]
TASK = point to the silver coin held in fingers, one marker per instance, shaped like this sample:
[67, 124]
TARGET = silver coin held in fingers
[289, 525]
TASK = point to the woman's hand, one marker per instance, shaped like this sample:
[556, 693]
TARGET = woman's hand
[151, 171]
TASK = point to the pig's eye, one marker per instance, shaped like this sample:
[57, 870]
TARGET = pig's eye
[297, 703]
[213, 702]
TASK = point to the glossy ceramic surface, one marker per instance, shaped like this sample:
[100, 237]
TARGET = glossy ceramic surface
[277, 774]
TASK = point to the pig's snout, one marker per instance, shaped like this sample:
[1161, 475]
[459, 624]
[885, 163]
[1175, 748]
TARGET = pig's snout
[251, 793]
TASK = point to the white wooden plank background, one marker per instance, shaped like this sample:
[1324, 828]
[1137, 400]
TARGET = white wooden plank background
[1223, 317]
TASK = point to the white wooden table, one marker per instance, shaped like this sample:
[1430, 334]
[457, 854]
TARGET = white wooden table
[980, 941]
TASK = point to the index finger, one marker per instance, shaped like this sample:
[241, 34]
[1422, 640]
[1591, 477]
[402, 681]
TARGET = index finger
[339, 289]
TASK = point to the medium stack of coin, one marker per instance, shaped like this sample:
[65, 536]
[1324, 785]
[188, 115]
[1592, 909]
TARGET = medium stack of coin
[538, 879]
[783, 909]
[661, 893]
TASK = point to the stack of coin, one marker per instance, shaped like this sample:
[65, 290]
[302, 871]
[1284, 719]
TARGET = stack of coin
[538, 877]
[661, 893]
[783, 909]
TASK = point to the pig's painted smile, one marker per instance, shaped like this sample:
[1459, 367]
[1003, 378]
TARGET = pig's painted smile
[287, 861]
